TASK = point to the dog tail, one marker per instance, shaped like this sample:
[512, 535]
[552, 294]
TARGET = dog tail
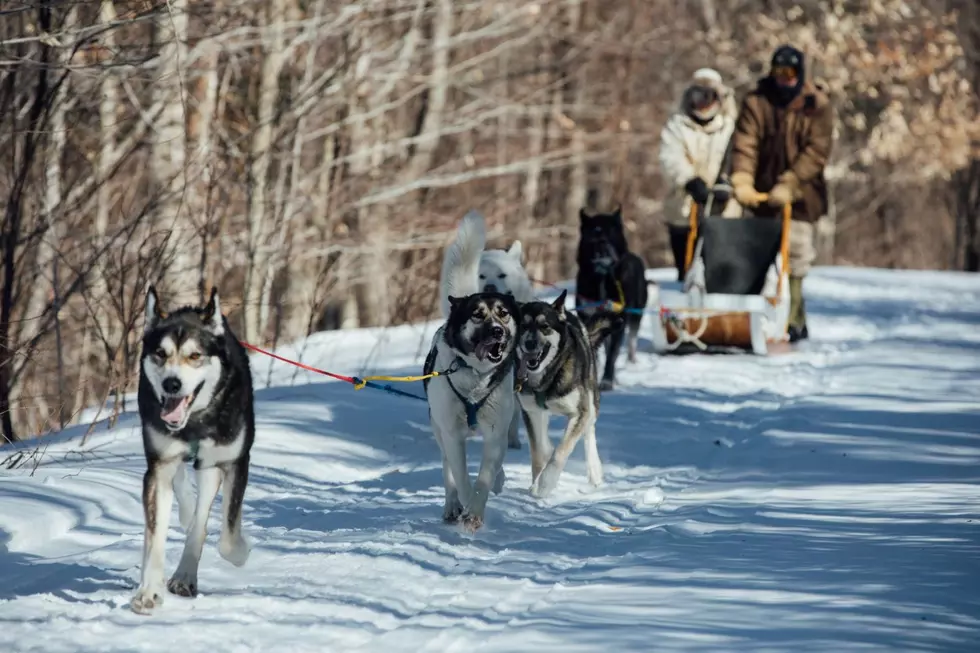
[461, 263]
[601, 324]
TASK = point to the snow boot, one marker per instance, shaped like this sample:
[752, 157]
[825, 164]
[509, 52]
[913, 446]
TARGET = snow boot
[797, 311]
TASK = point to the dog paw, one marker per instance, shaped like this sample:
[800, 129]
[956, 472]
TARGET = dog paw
[452, 512]
[146, 600]
[472, 523]
[234, 549]
[182, 585]
[606, 385]
[498, 482]
[546, 482]
[594, 475]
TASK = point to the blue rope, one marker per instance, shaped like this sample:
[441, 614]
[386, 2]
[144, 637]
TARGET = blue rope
[634, 311]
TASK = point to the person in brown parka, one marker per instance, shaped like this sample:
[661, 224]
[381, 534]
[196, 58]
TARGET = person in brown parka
[781, 144]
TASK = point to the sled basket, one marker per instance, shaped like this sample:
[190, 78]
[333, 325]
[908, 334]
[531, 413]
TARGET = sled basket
[735, 291]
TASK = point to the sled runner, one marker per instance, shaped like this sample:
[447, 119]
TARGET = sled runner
[735, 293]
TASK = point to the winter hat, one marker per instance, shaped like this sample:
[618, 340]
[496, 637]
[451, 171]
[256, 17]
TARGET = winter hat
[707, 75]
[787, 58]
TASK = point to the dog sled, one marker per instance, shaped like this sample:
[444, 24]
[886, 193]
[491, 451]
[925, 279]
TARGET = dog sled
[735, 293]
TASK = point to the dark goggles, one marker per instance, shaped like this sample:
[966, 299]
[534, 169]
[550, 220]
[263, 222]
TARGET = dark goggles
[701, 97]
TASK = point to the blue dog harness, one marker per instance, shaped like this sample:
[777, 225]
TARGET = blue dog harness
[473, 407]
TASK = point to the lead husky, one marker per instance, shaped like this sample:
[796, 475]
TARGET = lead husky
[475, 351]
[503, 271]
[195, 404]
[557, 374]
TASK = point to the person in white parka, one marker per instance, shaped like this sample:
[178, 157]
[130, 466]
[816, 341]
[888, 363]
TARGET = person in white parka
[693, 145]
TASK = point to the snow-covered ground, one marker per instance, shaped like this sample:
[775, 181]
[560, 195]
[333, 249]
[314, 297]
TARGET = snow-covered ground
[822, 500]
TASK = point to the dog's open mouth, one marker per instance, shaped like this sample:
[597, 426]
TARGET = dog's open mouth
[531, 361]
[176, 410]
[492, 351]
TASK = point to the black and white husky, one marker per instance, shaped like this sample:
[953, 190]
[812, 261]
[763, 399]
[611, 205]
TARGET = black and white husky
[196, 405]
[556, 374]
[475, 346]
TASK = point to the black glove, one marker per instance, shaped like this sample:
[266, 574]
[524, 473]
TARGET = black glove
[698, 190]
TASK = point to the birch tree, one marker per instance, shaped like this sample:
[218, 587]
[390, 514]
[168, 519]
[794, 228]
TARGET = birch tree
[170, 152]
[259, 214]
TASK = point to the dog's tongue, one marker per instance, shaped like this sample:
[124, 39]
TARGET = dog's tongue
[483, 349]
[174, 409]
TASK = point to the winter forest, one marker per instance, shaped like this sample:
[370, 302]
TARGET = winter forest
[311, 158]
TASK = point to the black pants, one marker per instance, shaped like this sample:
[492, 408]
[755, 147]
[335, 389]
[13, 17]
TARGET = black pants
[678, 245]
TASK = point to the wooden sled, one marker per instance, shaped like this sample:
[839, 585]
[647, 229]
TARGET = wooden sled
[735, 293]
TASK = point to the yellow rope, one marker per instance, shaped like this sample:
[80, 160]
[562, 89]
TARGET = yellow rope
[363, 382]
[620, 306]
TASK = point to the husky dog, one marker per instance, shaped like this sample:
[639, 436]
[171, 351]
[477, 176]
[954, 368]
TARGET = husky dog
[195, 404]
[556, 373]
[607, 270]
[474, 350]
[503, 271]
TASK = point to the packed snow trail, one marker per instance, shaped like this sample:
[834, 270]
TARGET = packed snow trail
[821, 500]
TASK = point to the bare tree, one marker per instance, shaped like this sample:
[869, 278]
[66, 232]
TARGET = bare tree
[313, 158]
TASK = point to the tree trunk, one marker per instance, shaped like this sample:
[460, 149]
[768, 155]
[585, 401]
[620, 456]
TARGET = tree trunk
[261, 146]
[302, 275]
[578, 175]
[200, 128]
[23, 161]
[370, 283]
[966, 185]
[108, 117]
[51, 230]
[170, 154]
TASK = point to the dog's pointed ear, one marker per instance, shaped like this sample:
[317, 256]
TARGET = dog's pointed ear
[618, 214]
[152, 310]
[583, 217]
[516, 251]
[559, 304]
[454, 302]
[212, 314]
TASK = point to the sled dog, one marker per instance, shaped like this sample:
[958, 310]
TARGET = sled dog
[196, 405]
[556, 374]
[474, 351]
[607, 270]
[503, 271]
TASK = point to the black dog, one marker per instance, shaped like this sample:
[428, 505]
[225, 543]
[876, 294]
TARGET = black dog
[607, 270]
